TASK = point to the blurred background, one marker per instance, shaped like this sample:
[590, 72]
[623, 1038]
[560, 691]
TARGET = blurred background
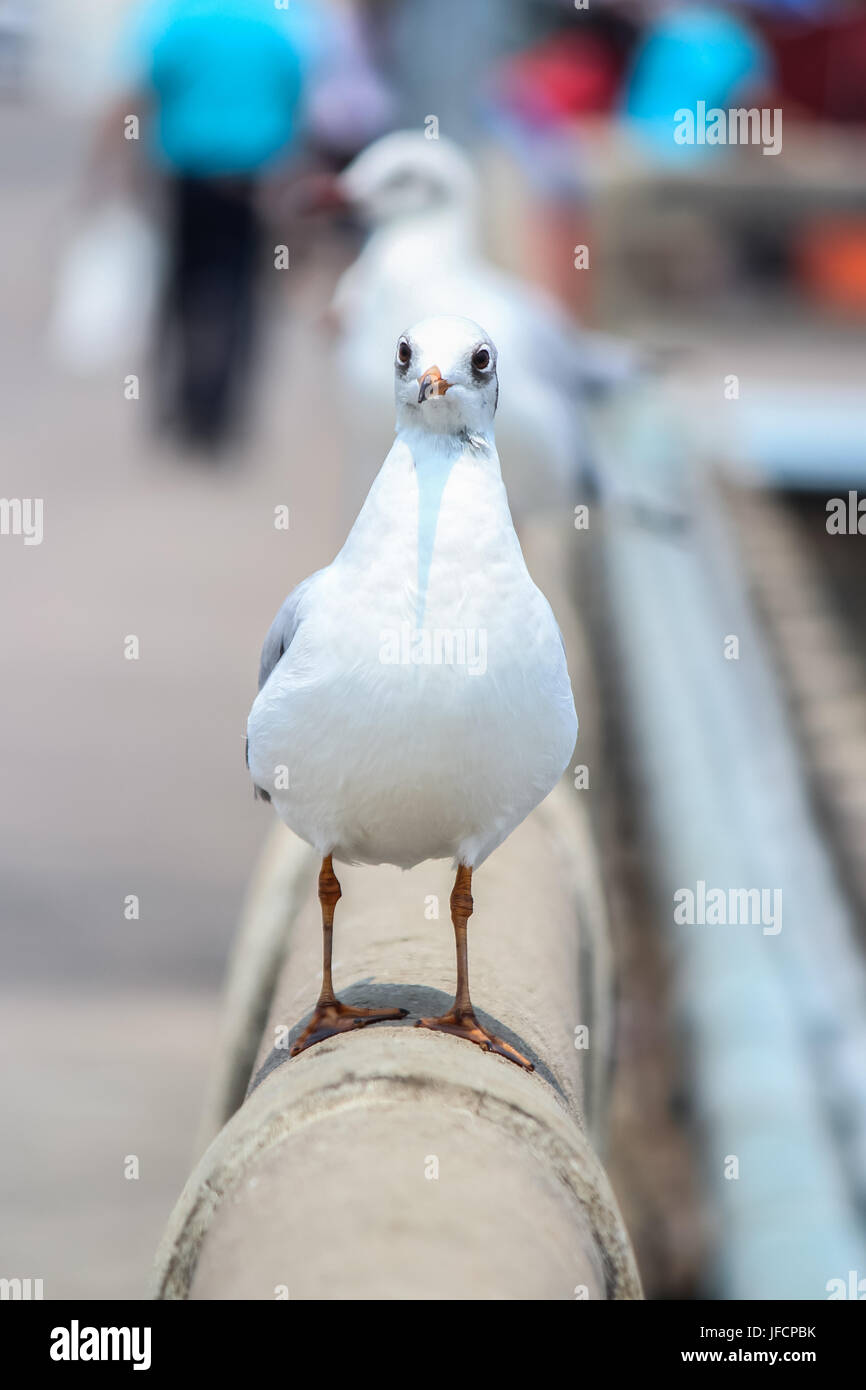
[202, 243]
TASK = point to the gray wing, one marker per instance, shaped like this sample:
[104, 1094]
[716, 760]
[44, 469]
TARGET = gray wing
[579, 360]
[283, 629]
[593, 364]
[277, 643]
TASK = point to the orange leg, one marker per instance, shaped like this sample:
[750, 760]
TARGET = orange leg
[330, 1016]
[460, 1018]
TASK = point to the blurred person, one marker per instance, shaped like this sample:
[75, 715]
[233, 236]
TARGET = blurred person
[221, 87]
[545, 104]
[350, 102]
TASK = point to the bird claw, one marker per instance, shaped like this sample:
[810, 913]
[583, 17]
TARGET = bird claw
[330, 1019]
[466, 1025]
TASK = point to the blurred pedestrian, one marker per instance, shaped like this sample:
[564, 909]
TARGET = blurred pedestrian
[220, 86]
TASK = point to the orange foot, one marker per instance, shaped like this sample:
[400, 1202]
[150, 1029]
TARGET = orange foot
[330, 1019]
[464, 1024]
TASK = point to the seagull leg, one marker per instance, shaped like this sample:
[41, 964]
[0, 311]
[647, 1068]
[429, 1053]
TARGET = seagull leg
[460, 1018]
[330, 1016]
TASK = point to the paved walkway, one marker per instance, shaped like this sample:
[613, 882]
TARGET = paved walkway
[125, 777]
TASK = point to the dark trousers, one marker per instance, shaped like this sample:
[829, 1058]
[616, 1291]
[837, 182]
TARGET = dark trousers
[210, 310]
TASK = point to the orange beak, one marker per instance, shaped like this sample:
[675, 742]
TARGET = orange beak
[431, 383]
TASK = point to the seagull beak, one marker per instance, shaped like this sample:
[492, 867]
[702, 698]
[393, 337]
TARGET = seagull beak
[432, 383]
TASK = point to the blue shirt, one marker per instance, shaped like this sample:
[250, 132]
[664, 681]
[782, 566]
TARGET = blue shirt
[226, 76]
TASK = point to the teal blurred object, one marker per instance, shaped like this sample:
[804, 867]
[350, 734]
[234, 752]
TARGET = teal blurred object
[791, 438]
[227, 77]
[697, 53]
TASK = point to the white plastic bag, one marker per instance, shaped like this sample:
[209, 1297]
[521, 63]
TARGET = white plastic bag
[108, 290]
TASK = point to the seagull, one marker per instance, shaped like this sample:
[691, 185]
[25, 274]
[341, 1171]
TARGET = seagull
[414, 700]
[421, 200]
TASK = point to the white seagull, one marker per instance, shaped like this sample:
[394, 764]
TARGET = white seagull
[421, 201]
[414, 700]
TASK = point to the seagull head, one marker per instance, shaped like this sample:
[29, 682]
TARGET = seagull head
[405, 175]
[445, 377]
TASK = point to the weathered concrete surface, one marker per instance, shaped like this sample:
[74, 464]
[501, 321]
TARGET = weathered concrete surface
[320, 1184]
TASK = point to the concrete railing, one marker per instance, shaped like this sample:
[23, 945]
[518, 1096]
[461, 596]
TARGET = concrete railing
[772, 1013]
[399, 1163]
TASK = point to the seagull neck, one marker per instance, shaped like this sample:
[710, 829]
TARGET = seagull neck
[443, 446]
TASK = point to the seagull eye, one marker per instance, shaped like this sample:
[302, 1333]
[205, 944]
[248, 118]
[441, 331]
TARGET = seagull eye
[481, 359]
[404, 353]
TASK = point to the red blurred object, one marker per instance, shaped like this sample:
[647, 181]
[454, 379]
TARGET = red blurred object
[566, 76]
[831, 258]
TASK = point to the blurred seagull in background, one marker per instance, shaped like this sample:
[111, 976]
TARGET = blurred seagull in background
[423, 257]
[416, 689]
